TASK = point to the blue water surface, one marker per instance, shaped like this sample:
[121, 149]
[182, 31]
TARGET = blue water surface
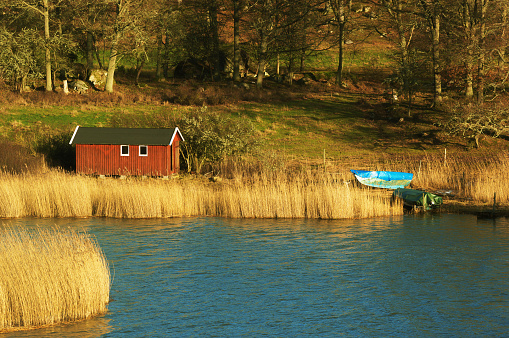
[406, 276]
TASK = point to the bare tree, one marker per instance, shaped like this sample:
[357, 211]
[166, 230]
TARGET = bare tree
[341, 10]
[202, 28]
[263, 23]
[274, 20]
[478, 27]
[472, 121]
[42, 8]
[402, 22]
[89, 18]
[432, 11]
[168, 26]
[472, 19]
[302, 29]
[237, 7]
[126, 18]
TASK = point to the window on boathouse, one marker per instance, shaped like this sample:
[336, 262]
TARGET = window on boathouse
[143, 150]
[124, 150]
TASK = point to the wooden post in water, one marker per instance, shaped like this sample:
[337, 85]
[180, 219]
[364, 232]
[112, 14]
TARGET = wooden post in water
[494, 204]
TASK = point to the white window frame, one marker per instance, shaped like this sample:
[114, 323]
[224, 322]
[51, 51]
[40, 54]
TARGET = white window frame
[121, 147]
[139, 150]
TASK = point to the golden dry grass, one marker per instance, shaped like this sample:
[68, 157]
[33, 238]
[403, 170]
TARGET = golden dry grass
[476, 179]
[471, 177]
[253, 191]
[50, 276]
[56, 194]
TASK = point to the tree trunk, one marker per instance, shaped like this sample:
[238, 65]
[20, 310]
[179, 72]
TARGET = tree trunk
[291, 68]
[23, 83]
[49, 85]
[90, 42]
[214, 26]
[236, 40]
[480, 78]
[437, 97]
[138, 72]
[469, 78]
[66, 86]
[341, 9]
[90, 53]
[166, 56]
[481, 67]
[469, 62]
[97, 57]
[339, 74]
[302, 57]
[112, 63]
[261, 62]
[158, 55]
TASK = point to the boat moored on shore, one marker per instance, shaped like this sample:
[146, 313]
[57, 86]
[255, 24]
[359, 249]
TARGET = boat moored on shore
[418, 199]
[383, 179]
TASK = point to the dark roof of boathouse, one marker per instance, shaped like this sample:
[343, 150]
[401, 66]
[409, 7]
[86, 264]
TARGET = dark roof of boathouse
[131, 136]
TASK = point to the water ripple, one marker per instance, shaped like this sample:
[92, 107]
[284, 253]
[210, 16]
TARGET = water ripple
[429, 276]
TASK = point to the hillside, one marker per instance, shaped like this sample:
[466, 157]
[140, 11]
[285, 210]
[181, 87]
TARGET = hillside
[298, 121]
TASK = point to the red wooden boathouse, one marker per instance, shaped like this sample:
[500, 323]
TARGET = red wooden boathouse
[127, 151]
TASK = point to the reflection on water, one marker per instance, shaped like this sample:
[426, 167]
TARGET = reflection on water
[433, 275]
[91, 328]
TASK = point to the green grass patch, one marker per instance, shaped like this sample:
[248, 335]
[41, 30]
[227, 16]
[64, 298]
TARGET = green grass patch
[305, 127]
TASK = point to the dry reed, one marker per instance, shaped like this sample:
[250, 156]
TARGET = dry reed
[50, 276]
[305, 195]
[476, 178]
[288, 191]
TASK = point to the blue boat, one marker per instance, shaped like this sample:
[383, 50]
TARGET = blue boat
[383, 179]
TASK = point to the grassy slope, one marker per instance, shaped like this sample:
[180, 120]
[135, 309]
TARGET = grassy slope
[344, 123]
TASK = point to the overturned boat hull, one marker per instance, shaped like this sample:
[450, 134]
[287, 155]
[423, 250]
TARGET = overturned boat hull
[418, 198]
[383, 179]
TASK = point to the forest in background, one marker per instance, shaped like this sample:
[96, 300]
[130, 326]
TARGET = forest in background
[438, 45]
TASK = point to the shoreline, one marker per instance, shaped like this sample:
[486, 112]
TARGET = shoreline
[450, 207]
[479, 210]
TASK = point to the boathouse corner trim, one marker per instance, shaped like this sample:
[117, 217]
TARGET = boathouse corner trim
[74, 134]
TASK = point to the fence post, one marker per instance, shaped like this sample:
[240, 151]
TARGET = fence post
[324, 164]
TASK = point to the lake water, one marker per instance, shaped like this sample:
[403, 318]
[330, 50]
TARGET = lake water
[408, 276]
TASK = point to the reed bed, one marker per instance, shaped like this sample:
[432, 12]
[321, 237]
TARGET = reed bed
[50, 276]
[476, 178]
[57, 194]
[292, 200]
[253, 191]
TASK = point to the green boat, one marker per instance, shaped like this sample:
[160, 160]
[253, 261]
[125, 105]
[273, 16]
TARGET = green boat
[417, 198]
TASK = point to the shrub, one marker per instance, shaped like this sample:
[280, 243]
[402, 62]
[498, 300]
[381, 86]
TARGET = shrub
[210, 137]
[57, 150]
[18, 62]
[472, 121]
[17, 159]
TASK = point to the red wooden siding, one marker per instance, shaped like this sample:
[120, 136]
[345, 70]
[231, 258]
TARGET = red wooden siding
[106, 160]
[175, 162]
